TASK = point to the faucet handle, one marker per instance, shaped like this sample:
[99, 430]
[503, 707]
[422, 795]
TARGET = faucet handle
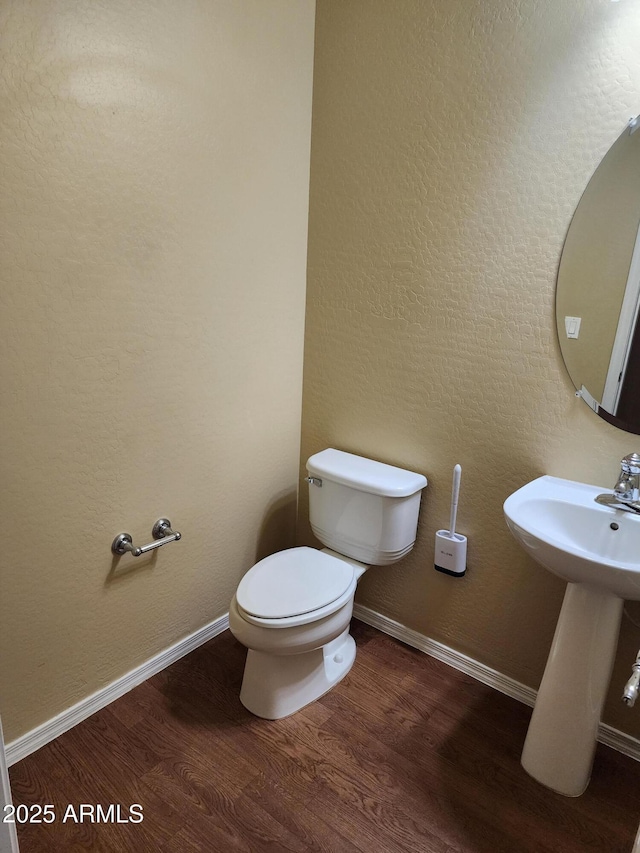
[627, 489]
[631, 464]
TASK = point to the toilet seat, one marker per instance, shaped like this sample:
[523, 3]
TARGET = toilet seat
[294, 587]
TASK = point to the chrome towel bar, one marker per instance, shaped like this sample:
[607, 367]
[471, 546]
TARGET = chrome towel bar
[161, 532]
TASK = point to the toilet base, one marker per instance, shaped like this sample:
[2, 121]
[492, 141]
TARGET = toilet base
[275, 686]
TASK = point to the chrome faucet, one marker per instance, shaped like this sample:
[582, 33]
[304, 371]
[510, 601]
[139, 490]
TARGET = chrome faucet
[626, 492]
[627, 489]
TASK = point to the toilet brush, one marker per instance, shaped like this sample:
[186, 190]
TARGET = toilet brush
[451, 547]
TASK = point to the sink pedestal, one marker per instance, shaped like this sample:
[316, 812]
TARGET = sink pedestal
[561, 740]
[595, 547]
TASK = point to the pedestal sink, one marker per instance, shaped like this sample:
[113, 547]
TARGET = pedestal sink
[596, 550]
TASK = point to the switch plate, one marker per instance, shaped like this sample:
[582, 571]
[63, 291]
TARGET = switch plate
[572, 325]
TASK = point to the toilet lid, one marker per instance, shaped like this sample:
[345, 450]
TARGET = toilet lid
[293, 582]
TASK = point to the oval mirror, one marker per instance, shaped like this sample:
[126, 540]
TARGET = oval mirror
[598, 290]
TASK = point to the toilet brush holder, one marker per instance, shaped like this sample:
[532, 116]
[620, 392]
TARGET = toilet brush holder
[451, 553]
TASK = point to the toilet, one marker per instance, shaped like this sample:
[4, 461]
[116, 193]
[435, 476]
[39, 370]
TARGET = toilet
[293, 609]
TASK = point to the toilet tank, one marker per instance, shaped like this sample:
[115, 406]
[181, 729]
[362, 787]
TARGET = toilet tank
[363, 509]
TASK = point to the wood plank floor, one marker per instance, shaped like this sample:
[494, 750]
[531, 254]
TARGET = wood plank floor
[405, 755]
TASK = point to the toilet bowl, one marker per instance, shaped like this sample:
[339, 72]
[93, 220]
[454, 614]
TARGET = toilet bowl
[292, 610]
[295, 623]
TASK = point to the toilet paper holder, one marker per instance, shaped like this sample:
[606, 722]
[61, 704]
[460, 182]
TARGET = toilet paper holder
[161, 532]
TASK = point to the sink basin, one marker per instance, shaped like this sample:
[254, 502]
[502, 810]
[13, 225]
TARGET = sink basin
[561, 526]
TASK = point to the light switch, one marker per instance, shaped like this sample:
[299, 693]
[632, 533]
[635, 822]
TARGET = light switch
[572, 325]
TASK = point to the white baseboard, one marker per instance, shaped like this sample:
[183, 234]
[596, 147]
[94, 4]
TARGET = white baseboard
[38, 737]
[606, 734]
[33, 740]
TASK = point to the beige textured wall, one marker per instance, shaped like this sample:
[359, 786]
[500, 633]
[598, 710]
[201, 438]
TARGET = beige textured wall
[451, 144]
[155, 160]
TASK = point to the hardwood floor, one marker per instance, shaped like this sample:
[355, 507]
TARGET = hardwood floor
[406, 754]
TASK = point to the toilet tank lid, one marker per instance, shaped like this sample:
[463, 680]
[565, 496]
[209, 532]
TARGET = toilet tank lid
[364, 474]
